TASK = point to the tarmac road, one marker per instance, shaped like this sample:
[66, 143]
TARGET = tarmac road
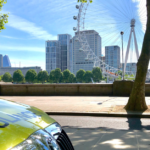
[107, 122]
[106, 133]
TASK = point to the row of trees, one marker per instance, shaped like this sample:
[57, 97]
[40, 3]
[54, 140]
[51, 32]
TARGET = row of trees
[30, 77]
[82, 76]
[55, 76]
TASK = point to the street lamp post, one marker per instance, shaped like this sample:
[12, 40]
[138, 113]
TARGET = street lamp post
[122, 54]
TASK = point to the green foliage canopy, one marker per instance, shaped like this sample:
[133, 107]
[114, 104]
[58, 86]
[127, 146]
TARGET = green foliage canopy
[97, 74]
[52, 76]
[3, 17]
[72, 78]
[43, 76]
[87, 76]
[80, 75]
[66, 75]
[7, 77]
[1, 77]
[57, 75]
[30, 75]
[18, 76]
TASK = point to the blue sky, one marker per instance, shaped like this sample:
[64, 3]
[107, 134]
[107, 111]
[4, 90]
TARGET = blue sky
[31, 23]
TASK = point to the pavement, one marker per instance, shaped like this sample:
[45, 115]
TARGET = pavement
[80, 105]
[108, 139]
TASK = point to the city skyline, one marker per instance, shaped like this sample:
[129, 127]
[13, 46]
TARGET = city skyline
[28, 27]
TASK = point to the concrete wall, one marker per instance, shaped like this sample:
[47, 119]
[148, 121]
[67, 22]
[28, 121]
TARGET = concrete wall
[118, 88]
[56, 89]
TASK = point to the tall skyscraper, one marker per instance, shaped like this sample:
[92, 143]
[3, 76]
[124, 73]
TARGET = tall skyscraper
[53, 55]
[79, 62]
[1, 60]
[6, 61]
[65, 47]
[112, 56]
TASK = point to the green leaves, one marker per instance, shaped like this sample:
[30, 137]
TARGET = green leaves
[80, 75]
[85, 1]
[87, 76]
[7, 77]
[42, 76]
[72, 78]
[97, 74]
[18, 76]
[3, 17]
[30, 75]
[66, 74]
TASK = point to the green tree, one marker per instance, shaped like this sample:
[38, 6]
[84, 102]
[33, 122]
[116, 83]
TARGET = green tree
[87, 76]
[3, 17]
[80, 75]
[61, 78]
[30, 75]
[1, 77]
[43, 76]
[18, 76]
[71, 78]
[66, 74]
[52, 76]
[7, 77]
[97, 74]
[57, 75]
[36, 80]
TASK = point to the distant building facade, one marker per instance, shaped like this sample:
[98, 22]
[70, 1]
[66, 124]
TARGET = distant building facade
[53, 55]
[6, 61]
[65, 48]
[1, 60]
[94, 41]
[59, 53]
[130, 67]
[112, 56]
[24, 70]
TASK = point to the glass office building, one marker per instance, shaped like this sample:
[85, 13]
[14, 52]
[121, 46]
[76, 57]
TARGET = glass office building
[112, 56]
[53, 57]
[6, 61]
[65, 49]
[1, 60]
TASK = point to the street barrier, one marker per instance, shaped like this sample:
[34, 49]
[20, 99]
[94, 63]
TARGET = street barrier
[118, 88]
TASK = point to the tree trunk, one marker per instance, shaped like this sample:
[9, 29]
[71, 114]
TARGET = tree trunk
[136, 101]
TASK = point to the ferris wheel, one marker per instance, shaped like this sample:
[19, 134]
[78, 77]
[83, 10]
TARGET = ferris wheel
[81, 28]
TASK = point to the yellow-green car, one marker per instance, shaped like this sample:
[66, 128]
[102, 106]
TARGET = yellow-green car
[23, 127]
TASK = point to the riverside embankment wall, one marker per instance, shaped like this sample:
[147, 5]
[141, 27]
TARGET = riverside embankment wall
[118, 88]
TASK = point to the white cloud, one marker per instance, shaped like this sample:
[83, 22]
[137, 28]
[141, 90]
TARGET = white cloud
[142, 12]
[19, 48]
[9, 37]
[29, 27]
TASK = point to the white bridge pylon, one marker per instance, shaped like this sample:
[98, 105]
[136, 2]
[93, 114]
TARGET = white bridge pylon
[129, 42]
